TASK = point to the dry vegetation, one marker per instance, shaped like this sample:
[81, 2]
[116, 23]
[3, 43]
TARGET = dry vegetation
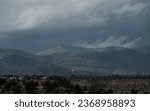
[75, 85]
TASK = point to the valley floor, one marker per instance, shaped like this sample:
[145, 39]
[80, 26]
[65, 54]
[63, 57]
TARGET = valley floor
[75, 85]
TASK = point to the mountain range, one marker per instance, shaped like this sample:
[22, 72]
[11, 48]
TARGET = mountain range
[68, 60]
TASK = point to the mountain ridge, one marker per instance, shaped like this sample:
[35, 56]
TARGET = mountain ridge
[82, 60]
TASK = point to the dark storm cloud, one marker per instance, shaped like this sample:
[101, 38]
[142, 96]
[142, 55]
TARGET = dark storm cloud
[36, 24]
[23, 14]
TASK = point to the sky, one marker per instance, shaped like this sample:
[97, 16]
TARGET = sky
[39, 24]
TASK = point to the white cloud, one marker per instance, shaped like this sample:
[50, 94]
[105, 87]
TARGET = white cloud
[24, 14]
[133, 43]
[122, 41]
[128, 8]
[30, 18]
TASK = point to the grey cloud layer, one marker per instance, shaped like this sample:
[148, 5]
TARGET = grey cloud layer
[22, 14]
